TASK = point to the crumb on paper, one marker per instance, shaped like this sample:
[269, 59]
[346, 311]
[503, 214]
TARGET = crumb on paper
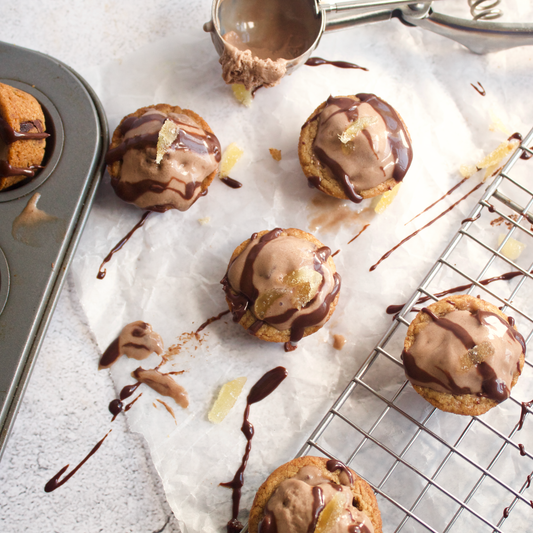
[276, 154]
[230, 156]
[512, 249]
[167, 135]
[242, 94]
[467, 170]
[226, 399]
[204, 221]
[355, 128]
[386, 199]
[339, 341]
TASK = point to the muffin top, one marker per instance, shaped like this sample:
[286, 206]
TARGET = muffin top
[162, 157]
[464, 345]
[285, 278]
[355, 147]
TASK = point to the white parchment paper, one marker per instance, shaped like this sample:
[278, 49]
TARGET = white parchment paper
[169, 273]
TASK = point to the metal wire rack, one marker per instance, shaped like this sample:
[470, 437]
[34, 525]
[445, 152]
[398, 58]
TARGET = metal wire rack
[435, 471]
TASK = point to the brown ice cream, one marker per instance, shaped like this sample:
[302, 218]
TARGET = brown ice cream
[163, 384]
[296, 504]
[465, 352]
[157, 172]
[284, 280]
[136, 340]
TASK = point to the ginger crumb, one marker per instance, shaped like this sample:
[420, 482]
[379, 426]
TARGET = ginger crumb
[355, 128]
[204, 221]
[231, 155]
[242, 94]
[276, 154]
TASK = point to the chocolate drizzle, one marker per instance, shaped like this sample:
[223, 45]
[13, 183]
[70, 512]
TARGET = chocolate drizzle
[263, 388]
[102, 271]
[317, 61]
[383, 257]
[364, 228]
[480, 89]
[318, 506]
[9, 135]
[55, 482]
[230, 182]
[333, 464]
[111, 354]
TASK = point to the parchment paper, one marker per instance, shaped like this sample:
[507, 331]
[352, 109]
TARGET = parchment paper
[168, 274]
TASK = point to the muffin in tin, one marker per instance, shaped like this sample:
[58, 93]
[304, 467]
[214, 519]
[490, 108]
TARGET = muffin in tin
[463, 355]
[354, 147]
[163, 157]
[22, 136]
[282, 285]
[299, 495]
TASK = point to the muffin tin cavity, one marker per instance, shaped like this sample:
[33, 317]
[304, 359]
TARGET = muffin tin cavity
[54, 144]
[4, 281]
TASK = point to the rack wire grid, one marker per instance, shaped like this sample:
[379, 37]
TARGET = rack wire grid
[436, 471]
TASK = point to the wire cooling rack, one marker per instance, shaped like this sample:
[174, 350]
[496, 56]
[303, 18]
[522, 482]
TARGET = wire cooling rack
[435, 471]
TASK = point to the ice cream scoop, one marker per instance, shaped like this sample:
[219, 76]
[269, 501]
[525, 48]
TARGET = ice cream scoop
[248, 34]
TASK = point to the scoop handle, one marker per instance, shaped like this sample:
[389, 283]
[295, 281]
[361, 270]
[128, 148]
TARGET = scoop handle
[480, 37]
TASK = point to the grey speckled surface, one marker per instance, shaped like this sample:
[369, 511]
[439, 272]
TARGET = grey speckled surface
[64, 412]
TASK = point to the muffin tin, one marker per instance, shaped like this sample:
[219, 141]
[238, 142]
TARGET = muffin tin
[31, 276]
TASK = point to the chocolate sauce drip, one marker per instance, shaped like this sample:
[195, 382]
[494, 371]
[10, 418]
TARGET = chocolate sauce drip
[128, 390]
[409, 237]
[513, 333]
[517, 136]
[439, 200]
[314, 181]
[522, 449]
[480, 89]
[338, 251]
[210, 321]
[7, 170]
[415, 372]
[526, 155]
[202, 144]
[506, 512]
[268, 523]
[492, 387]
[460, 332]
[471, 219]
[317, 61]
[55, 483]
[393, 309]
[318, 506]
[364, 227]
[102, 272]
[263, 388]
[110, 355]
[332, 465]
[230, 182]
[528, 482]
[115, 408]
[523, 413]
[9, 135]
[288, 347]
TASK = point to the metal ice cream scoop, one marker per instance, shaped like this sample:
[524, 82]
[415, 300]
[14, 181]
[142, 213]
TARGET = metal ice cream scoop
[256, 23]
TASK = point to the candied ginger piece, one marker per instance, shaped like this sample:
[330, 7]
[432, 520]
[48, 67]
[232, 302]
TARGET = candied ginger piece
[226, 399]
[386, 199]
[331, 514]
[204, 221]
[356, 127]
[305, 283]
[167, 135]
[242, 94]
[467, 170]
[476, 355]
[495, 158]
[497, 124]
[512, 248]
[276, 154]
[265, 301]
[231, 155]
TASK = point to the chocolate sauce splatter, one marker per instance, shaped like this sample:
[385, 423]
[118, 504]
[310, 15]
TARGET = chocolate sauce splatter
[338, 251]
[364, 227]
[523, 413]
[396, 308]
[373, 267]
[264, 387]
[506, 512]
[522, 449]
[317, 61]
[471, 219]
[102, 271]
[55, 482]
[110, 355]
[318, 506]
[210, 321]
[230, 182]
[480, 90]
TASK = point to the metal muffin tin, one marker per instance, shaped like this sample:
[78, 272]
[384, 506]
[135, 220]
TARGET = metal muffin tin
[31, 277]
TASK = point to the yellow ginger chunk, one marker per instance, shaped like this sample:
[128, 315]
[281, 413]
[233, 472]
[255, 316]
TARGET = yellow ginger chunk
[512, 248]
[227, 397]
[305, 283]
[265, 301]
[495, 158]
[356, 127]
[497, 124]
[331, 514]
[167, 135]
[242, 94]
[386, 199]
[468, 170]
[229, 158]
[476, 355]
